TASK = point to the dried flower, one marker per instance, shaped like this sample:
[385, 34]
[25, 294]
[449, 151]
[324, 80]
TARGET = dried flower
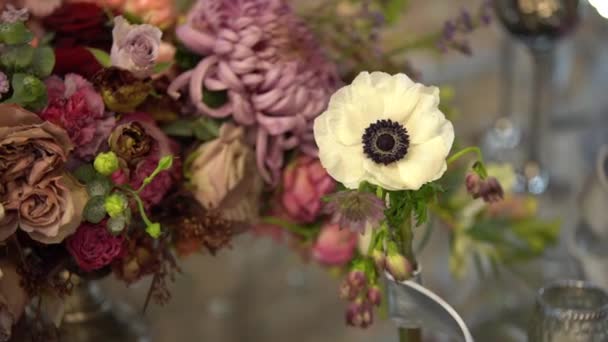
[334, 246]
[374, 295]
[94, 247]
[138, 259]
[12, 15]
[358, 211]
[131, 142]
[135, 47]
[276, 77]
[360, 314]
[121, 91]
[36, 194]
[224, 176]
[77, 107]
[13, 299]
[489, 189]
[455, 31]
[305, 183]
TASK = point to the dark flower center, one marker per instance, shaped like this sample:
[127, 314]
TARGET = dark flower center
[385, 142]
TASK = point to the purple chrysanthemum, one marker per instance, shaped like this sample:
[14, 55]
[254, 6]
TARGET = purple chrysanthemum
[275, 74]
[358, 211]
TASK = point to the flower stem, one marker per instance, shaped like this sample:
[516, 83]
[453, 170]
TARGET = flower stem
[464, 151]
[410, 335]
[294, 228]
[407, 249]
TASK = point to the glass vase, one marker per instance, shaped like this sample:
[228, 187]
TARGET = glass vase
[413, 306]
[572, 311]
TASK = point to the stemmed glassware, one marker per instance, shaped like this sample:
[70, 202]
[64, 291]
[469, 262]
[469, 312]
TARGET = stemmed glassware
[538, 24]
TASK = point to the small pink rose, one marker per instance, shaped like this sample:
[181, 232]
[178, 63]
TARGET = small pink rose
[334, 246]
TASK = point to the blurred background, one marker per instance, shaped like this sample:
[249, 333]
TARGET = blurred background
[262, 291]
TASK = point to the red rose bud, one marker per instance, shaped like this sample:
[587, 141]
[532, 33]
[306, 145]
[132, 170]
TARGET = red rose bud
[398, 266]
[374, 295]
[357, 279]
[379, 259]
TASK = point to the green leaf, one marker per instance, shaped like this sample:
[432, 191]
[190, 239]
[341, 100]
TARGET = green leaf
[102, 57]
[94, 210]
[206, 129]
[132, 18]
[165, 163]
[480, 170]
[85, 173]
[17, 58]
[47, 38]
[15, 33]
[215, 99]
[179, 128]
[162, 67]
[44, 61]
[99, 186]
[186, 59]
[393, 9]
[28, 91]
[117, 224]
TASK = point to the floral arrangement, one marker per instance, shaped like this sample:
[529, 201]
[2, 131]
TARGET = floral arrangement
[130, 138]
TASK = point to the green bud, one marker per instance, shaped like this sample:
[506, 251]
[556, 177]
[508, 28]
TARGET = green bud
[398, 266]
[117, 224]
[154, 230]
[106, 163]
[116, 204]
[379, 259]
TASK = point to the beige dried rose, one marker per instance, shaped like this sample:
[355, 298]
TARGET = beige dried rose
[35, 192]
[13, 299]
[224, 176]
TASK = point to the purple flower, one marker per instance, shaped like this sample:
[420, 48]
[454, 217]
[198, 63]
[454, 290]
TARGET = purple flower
[5, 85]
[12, 15]
[489, 189]
[135, 47]
[358, 211]
[275, 74]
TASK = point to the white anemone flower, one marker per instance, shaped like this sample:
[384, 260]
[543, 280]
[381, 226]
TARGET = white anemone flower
[386, 130]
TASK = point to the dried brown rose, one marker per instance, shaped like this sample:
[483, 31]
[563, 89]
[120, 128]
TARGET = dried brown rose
[130, 141]
[35, 192]
[121, 91]
[30, 148]
[224, 176]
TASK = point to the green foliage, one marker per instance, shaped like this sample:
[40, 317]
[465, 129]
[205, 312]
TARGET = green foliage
[15, 33]
[404, 204]
[99, 186]
[28, 91]
[202, 128]
[117, 224]
[94, 210]
[17, 58]
[85, 173]
[102, 57]
[518, 240]
[215, 99]
[393, 9]
[162, 67]
[186, 59]
[44, 61]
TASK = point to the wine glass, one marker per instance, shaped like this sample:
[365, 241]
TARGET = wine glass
[539, 24]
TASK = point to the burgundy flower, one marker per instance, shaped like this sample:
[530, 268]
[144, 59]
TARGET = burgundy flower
[75, 60]
[94, 247]
[80, 24]
[141, 161]
[75, 106]
[305, 182]
[275, 74]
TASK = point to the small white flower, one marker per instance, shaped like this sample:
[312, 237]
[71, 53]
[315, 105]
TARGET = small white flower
[386, 130]
[135, 47]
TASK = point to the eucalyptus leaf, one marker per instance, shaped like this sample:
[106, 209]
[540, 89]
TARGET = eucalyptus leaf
[102, 57]
[117, 224]
[99, 186]
[17, 58]
[15, 33]
[28, 91]
[94, 210]
[44, 61]
[86, 173]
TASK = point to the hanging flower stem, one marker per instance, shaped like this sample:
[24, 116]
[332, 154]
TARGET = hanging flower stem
[407, 249]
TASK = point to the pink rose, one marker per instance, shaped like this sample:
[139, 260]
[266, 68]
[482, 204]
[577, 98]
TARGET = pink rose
[78, 108]
[136, 47]
[305, 182]
[334, 246]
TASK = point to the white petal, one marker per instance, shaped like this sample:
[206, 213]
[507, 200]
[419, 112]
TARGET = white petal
[400, 101]
[424, 163]
[343, 163]
[386, 176]
[424, 126]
